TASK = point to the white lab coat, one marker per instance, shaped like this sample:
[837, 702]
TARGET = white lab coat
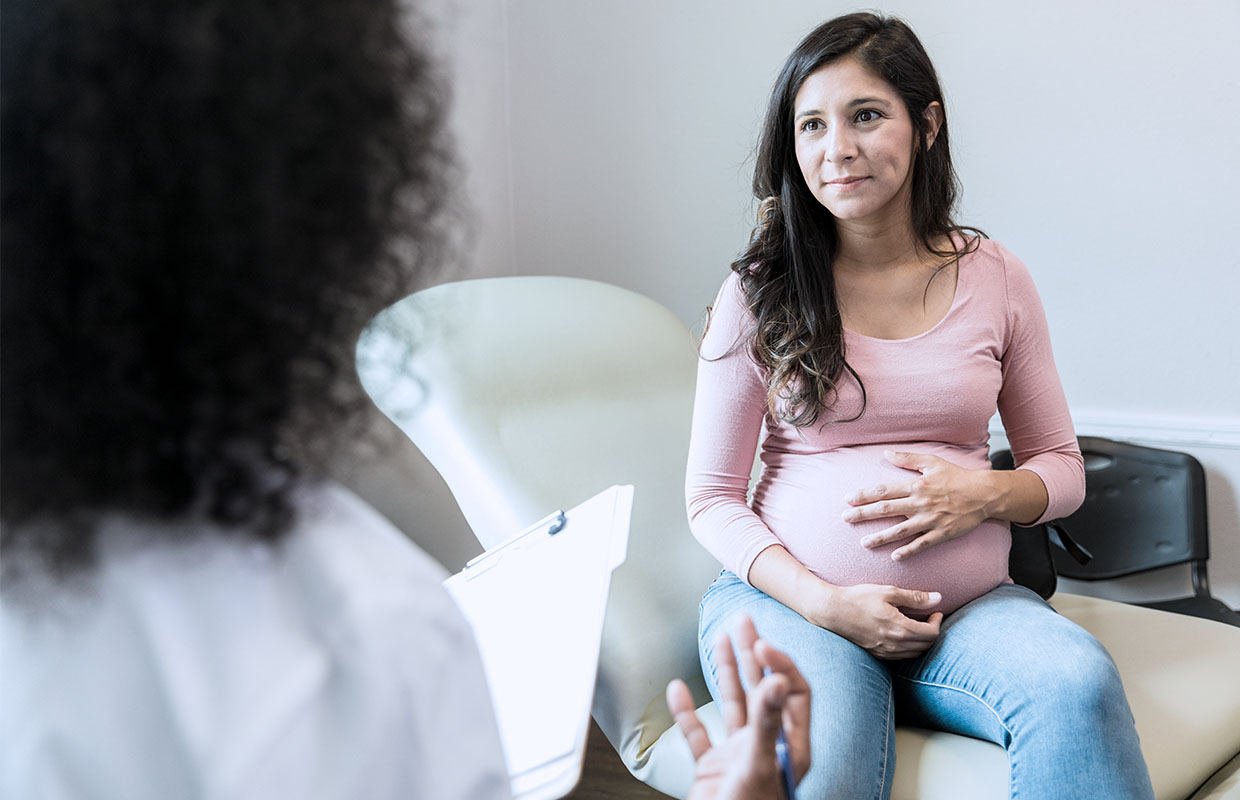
[334, 666]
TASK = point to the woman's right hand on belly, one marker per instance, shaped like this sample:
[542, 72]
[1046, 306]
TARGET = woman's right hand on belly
[869, 616]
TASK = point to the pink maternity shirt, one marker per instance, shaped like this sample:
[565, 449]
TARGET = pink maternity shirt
[933, 393]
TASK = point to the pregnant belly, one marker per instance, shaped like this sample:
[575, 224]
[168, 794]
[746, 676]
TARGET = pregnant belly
[801, 499]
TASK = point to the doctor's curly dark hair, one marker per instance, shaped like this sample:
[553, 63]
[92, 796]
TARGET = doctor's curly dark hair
[204, 201]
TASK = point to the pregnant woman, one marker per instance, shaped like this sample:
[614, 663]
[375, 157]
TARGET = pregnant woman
[863, 340]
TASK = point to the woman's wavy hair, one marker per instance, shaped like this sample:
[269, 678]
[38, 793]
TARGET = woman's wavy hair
[204, 202]
[786, 270]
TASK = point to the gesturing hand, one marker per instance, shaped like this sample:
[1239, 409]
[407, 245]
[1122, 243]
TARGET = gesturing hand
[743, 766]
[946, 502]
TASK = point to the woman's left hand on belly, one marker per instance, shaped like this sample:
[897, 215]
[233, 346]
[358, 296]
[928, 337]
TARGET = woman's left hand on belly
[943, 503]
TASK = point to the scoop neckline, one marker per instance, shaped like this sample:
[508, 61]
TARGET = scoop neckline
[956, 298]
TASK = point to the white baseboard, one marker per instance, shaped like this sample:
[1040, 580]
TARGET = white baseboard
[1153, 430]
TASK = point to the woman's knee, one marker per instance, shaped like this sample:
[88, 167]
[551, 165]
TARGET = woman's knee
[1088, 680]
[1027, 640]
[1034, 665]
[1078, 685]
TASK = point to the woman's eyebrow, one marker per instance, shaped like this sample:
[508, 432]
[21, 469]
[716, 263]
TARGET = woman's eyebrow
[860, 101]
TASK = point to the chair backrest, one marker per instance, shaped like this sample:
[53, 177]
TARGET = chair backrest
[1144, 508]
[535, 393]
[1029, 560]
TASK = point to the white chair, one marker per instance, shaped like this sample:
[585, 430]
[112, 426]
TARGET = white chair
[534, 393]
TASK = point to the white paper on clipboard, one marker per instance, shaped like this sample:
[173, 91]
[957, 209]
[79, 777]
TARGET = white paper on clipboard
[536, 603]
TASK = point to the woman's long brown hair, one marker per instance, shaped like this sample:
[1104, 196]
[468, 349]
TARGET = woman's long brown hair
[786, 271]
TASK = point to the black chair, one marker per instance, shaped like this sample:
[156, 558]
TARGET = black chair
[1029, 561]
[1144, 509]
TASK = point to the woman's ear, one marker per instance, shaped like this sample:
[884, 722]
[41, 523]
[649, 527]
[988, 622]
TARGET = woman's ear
[934, 121]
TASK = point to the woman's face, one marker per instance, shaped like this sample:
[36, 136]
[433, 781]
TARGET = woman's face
[855, 143]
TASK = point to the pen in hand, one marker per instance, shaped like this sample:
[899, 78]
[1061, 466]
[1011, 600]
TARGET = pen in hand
[770, 719]
[787, 778]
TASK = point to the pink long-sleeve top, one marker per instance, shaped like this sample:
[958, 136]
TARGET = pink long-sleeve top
[933, 393]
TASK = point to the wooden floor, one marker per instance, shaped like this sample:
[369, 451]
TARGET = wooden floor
[604, 776]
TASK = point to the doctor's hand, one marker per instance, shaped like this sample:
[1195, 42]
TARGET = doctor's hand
[941, 503]
[743, 765]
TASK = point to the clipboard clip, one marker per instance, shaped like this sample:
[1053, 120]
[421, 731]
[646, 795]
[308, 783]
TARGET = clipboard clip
[551, 524]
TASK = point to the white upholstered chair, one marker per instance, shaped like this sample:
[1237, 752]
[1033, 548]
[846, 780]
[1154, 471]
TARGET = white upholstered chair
[534, 393]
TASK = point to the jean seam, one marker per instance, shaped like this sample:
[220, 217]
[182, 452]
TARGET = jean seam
[1011, 737]
[975, 696]
[887, 743]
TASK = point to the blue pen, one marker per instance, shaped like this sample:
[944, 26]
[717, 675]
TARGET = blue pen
[785, 759]
[785, 765]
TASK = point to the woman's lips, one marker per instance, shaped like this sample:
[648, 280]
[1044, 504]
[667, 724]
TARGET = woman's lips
[846, 184]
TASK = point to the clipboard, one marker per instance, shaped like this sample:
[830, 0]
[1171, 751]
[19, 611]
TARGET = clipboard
[536, 603]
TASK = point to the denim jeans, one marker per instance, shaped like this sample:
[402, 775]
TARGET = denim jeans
[1006, 668]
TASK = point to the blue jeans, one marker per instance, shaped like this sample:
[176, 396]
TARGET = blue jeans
[1006, 668]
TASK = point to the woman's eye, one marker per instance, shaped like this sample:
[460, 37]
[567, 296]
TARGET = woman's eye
[810, 125]
[867, 115]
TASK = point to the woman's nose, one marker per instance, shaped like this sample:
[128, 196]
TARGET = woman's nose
[840, 145]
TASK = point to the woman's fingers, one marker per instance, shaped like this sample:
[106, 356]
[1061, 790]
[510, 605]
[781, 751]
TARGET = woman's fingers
[904, 530]
[918, 537]
[916, 638]
[875, 500]
[944, 502]
[919, 462]
[913, 598]
[880, 625]
[917, 545]
[883, 509]
[875, 494]
[913, 639]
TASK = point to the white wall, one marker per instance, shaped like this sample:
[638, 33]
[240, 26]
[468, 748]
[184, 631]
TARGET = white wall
[473, 43]
[611, 140]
